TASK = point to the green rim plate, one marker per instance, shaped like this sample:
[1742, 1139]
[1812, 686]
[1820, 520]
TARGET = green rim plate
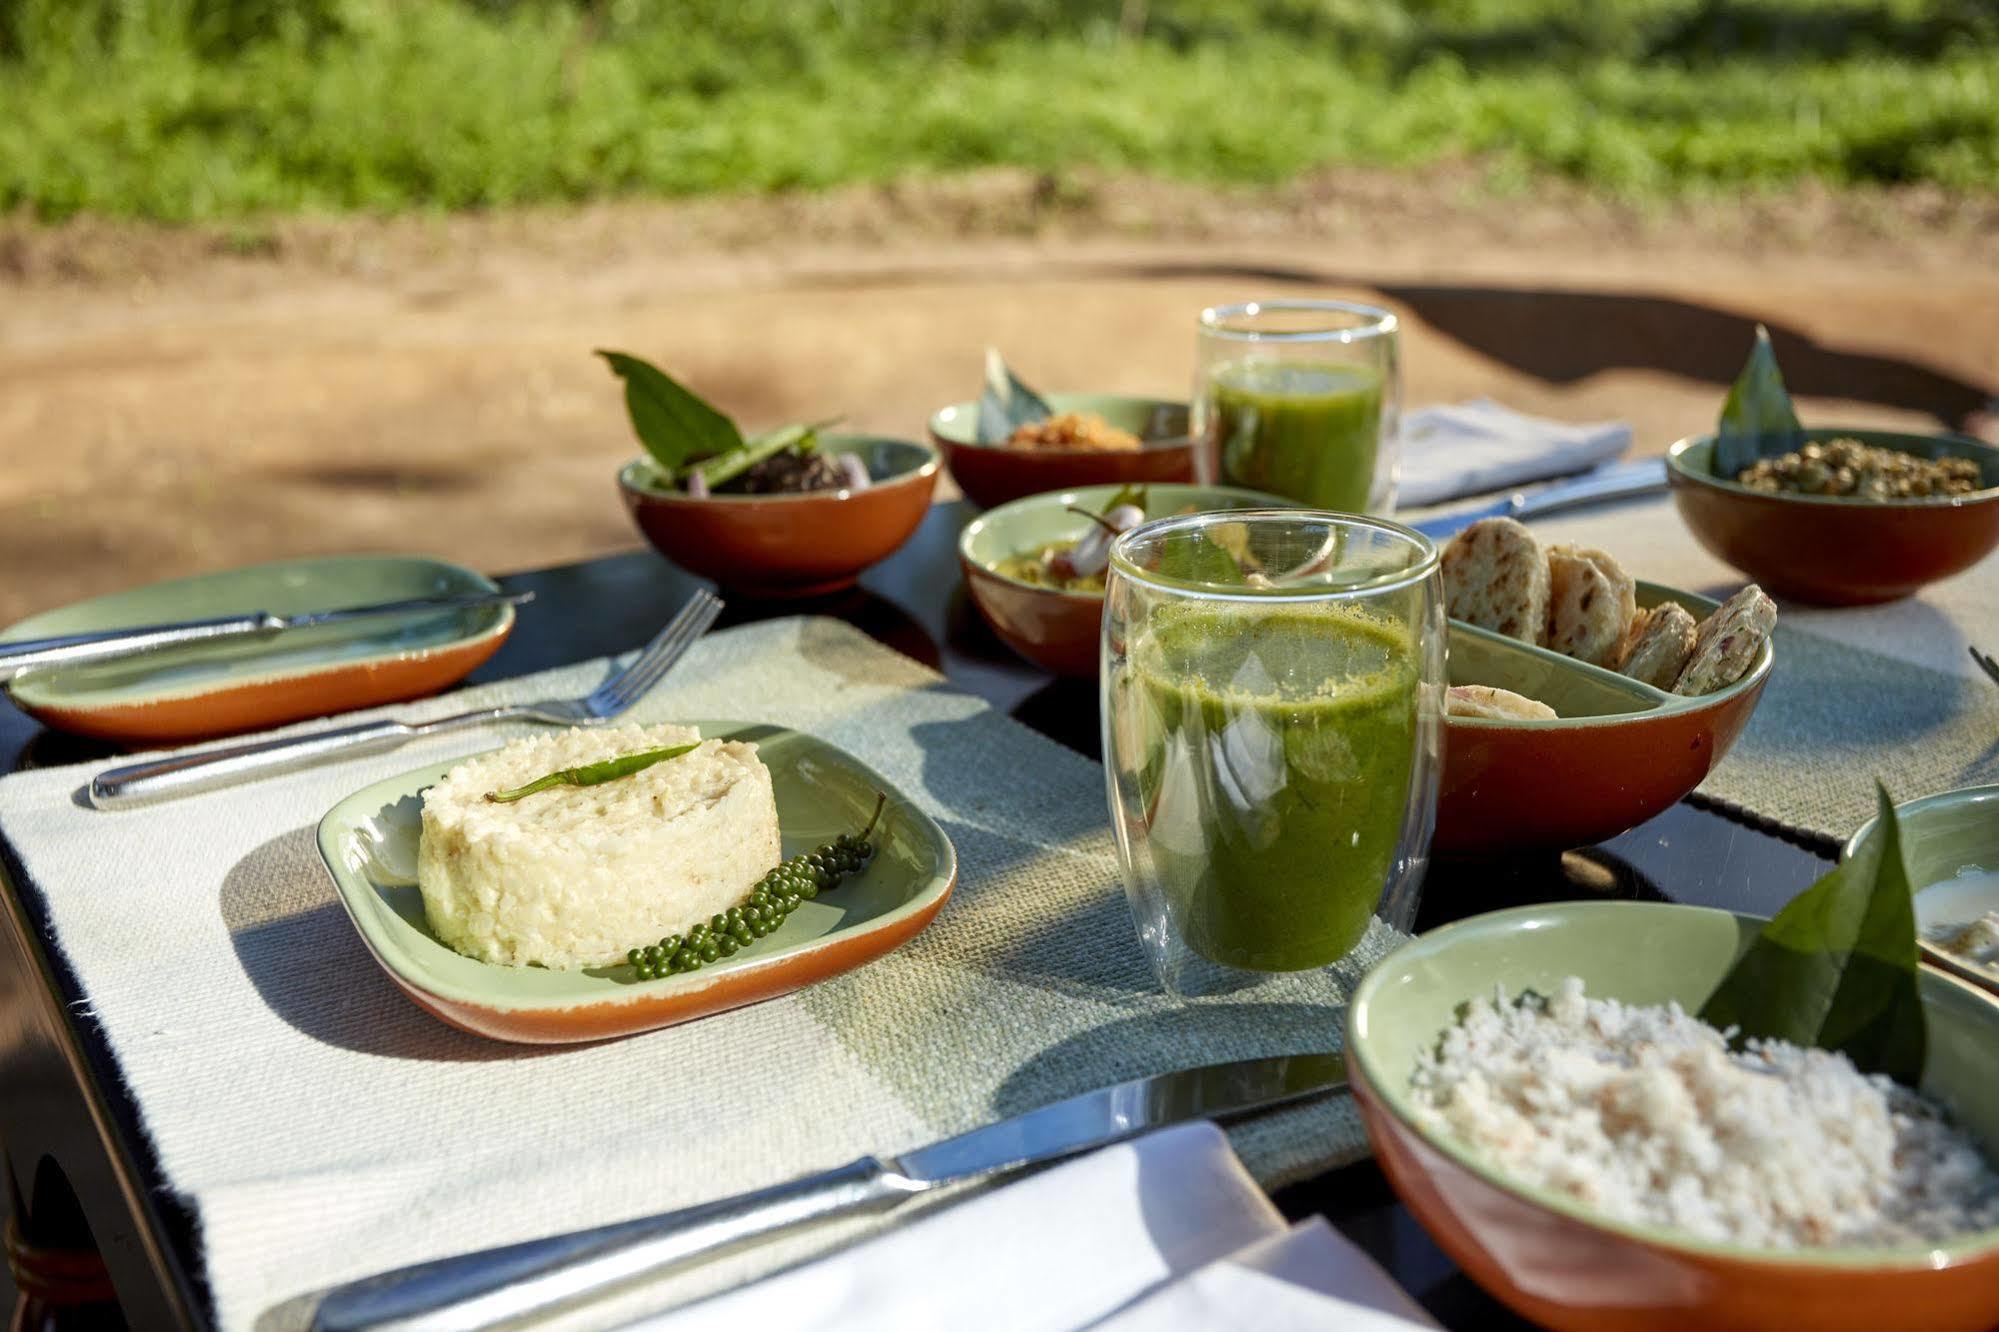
[1942, 836]
[369, 843]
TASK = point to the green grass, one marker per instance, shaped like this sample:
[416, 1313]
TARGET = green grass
[204, 109]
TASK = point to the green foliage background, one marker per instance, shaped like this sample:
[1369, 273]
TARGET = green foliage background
[196, 109]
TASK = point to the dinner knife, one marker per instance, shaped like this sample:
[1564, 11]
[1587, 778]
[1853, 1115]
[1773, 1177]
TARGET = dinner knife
[117, 644]
[1613, 481]
[498, 1286]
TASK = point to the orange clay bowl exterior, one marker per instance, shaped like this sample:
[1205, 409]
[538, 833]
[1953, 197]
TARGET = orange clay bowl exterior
[993, 474]
[789, 545]
[1619, 754]
[1549, 1258]
[1833, 551]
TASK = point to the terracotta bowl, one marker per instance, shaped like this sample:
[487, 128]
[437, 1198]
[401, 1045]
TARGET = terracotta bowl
[1620, 753]
[789, 545]
[1555, 1262]
[1840, 552]
[992, 474]
[1058, 630]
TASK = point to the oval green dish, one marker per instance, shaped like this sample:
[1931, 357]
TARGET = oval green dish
[1556, 1262]
[1054, 629]
[369, 843]
[992, 474]
[1620, 753]
[1950, 844]
[197, 692]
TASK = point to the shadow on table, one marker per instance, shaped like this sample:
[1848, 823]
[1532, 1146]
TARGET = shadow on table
[300, 951]
[1183, 1036]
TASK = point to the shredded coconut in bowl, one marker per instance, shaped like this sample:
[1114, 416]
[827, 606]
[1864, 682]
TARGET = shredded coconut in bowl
[1645, 1115]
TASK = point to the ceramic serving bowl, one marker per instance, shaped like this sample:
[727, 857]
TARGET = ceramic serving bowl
[1619, 753]
[789, 545]
[1555, 1262]
[206, 690]
[370, 840]
[1834, 551]
[1056, 630]
[992, 474]
[1950, 844]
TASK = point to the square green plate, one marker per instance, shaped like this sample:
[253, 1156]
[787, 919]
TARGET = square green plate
[369, 843]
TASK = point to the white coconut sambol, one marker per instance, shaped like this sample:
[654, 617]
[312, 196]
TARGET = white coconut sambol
[575, 875]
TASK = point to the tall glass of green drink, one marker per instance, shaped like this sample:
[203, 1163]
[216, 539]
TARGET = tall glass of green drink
[1300, 399]
[1272, 702]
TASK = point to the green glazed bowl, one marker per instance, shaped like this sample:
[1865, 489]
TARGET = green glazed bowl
[1950, 843]
[1553, 1260]
[992, 474]
[1058, 630]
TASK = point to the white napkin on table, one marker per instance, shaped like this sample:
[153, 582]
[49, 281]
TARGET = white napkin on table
[1471, 448]
[1161, 1234]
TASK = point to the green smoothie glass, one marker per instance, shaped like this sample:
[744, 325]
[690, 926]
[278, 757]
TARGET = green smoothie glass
[1272, 709]
[1300, 399]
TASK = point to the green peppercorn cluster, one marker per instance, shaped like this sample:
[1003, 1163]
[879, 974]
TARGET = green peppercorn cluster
[776, 896]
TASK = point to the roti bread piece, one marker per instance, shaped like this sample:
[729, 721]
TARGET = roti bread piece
[1591, 605]
[1727, 642]
[1494, 704]
[1496, 577]
[1661, 641]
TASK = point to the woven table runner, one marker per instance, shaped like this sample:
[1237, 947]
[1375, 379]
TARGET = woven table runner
[1855, 694]
[321, 1127]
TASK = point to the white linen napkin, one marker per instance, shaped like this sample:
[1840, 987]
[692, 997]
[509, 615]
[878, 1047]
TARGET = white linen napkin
[1163, 1233]
[1471, 448]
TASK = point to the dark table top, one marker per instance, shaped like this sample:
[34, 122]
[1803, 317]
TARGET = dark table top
[916, 604]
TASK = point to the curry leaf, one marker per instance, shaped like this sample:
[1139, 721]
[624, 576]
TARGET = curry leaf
[1837, 967]
[674, 423]
[1757, 420]
[1007, 404]
[1192, 556]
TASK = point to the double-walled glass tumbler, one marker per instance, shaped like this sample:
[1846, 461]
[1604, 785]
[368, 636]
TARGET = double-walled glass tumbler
[1272, 709]
[1300, 399]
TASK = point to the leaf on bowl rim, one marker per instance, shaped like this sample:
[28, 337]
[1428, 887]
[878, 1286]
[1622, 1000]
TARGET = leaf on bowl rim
[1757, 420]
[1006, 404]
[675, 424]
[1837, 967]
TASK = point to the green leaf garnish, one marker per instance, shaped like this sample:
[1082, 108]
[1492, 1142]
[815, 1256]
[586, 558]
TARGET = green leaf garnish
[1006, 404]
[1837, 967]
[1193, 556]
[726, 467]
[593, 774]
[1757, 420]
[675, 424]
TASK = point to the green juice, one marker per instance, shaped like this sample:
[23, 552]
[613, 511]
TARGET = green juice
[1275, 761]
[1307, 430]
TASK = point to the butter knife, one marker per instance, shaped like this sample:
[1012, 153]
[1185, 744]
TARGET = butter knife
[498, 1286]
[1612, 481]
[116, 644]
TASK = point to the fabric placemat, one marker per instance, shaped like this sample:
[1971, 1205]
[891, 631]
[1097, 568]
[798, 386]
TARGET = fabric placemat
[321, 1127]
[1856, 693]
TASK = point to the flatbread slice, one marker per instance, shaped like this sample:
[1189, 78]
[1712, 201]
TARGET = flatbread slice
[1495, 704]
[1661, 641]
[1592, 602]
[1496, 578]
[1727, 642]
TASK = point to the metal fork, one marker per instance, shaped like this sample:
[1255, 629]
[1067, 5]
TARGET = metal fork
[161, 779]
[1986, 663]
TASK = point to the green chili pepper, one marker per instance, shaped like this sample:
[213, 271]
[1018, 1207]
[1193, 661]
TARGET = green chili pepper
[594, 774]
[725, 467]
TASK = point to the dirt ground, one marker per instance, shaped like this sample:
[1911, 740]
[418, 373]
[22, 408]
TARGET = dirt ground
[173, 401]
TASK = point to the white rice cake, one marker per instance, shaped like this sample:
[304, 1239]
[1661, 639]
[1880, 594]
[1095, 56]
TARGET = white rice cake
[1661, 641]
[1494, 704]
[1727, 642]
[1591, 603]
[1496, 577]
[575, 876]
